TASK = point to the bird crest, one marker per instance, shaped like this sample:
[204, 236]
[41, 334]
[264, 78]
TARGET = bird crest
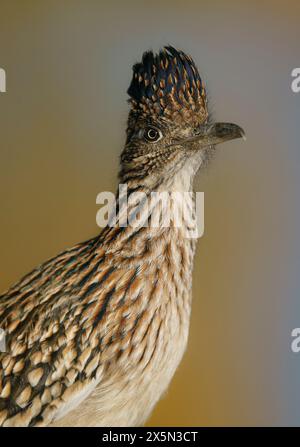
[167, 85]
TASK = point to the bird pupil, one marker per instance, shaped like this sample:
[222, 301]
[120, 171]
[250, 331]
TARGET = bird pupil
[152, 134]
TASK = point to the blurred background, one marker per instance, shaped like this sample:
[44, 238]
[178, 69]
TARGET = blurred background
[62, 127]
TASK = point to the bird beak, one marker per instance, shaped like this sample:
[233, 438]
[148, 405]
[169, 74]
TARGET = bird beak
[211, 134]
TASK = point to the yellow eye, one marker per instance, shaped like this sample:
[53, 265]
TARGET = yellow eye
[152, 135]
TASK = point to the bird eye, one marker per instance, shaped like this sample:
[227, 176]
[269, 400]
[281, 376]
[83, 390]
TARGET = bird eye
[152, 135]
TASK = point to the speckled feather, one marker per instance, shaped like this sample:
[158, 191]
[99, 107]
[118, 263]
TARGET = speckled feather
[168, 84]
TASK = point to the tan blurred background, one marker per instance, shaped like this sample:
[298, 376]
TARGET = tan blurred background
[62, 125]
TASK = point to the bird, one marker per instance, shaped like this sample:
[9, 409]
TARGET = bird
[95, 334]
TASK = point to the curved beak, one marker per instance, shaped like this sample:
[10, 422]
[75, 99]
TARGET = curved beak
[212, 134]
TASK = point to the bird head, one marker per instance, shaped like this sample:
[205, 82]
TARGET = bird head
[168, 124]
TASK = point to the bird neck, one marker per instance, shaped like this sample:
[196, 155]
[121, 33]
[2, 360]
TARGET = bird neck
[164, 210]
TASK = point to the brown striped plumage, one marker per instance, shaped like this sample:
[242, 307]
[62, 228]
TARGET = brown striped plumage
[95, 334]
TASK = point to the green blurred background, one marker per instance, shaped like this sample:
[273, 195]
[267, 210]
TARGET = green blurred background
[62, 127]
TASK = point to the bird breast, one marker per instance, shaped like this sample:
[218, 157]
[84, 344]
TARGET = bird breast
[141, 362]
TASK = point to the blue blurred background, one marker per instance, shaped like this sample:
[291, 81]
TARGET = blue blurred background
[62, 127]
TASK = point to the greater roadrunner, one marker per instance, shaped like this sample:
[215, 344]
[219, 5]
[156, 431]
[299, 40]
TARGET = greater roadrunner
[94, 335]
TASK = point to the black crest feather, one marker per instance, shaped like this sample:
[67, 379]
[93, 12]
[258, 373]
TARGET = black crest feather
[170, 76]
